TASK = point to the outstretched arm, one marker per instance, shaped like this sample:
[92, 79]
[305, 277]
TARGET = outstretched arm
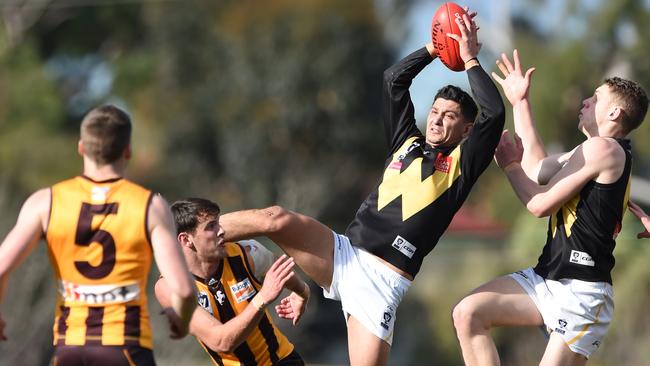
[596, 157]
[21, 240]
[398, 112]
[172, 266]
[516, 86]
[226, 337]
[476, 153]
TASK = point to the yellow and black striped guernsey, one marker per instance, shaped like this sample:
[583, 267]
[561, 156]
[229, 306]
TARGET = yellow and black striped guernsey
[423, 186]
[225, 295]
[581, 234]
[101, 254]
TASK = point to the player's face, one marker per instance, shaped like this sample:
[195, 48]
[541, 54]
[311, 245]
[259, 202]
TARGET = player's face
[446, 125]
[208, 239]
[595, 108]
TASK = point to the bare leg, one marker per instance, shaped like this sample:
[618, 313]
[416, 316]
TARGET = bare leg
[558, 353]
[500, 302]
[308, 241]
[364, 347]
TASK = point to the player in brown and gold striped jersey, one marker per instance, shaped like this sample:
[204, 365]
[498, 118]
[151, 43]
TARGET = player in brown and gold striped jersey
[102, 232]
[236, 282]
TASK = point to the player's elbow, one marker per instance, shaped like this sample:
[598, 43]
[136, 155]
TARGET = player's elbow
[390, 78]
[186, 291]
[182, 288]
[539, 208]
[222, 344]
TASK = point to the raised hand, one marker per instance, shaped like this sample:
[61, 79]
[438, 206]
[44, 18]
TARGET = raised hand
[643, 217]
[468, 43]
[508, 151]
[291, 307]
[279, 273]
[514, 83]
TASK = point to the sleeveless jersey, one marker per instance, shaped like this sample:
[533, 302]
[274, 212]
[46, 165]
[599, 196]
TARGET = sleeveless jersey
[101, 254]
[581, 234]
[225, 295]
[423, 186]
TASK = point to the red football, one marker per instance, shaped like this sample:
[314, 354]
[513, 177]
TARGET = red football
[444, 22]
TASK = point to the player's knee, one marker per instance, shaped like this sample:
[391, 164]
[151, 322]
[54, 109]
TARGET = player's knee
[278, 218]
[465, 317]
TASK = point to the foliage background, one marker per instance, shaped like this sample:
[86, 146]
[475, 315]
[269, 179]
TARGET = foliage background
[251, 103]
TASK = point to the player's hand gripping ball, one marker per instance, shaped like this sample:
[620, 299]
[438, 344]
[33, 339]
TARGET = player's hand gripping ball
[444, 21]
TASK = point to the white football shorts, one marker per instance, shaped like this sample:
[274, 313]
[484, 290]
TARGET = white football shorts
[579, 311]
[368, 289]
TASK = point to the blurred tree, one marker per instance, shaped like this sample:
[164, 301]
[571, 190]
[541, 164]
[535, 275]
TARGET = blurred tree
[248, 103]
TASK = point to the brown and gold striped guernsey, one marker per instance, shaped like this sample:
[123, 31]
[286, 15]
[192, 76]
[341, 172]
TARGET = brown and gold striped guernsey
[225, 295]
[100, 250]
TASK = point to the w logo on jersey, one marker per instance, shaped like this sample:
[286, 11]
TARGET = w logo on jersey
[417, 193]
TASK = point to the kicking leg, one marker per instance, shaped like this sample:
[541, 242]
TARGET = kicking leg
[365, 348]
[500, 302]
[308, 241]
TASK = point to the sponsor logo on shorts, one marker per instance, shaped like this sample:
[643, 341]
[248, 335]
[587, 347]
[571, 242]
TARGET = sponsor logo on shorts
[404, 246]
[581, 258]
[562, 326]
[99, 294]
[596, 344]
[388, 318]
[243, 290]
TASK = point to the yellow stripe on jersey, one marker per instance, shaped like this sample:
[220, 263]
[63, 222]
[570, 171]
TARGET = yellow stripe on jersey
[228, 296]
[569, 212]
[416, 193]
[99, 248]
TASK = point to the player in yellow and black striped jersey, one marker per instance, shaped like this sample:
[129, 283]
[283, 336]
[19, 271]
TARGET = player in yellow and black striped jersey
[426, 178]
[231, 323]
[584, 193]
[102, 233]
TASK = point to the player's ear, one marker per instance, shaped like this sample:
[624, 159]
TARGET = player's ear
[184, 239]
[80, 148]
[467, 127]
[615, 113]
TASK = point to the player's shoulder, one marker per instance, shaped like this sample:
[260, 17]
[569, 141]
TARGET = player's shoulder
[39, 200]
[598, 148]
[603, 153]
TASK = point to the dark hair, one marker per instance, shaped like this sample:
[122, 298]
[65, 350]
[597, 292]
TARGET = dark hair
[633, 98]
[458, 95]
[189, 212]
[105, 134]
